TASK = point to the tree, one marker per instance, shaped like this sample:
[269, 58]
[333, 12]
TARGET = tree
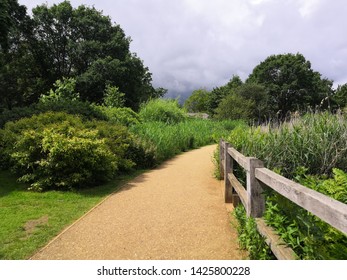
[219, 93]
[197, 102]
[84, 44]
[65, 42]
[290, 82]
[340, 96]
[258, 97]
[17, 80]
[234, 107]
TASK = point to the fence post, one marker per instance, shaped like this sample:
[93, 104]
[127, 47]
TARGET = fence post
[228, 191]
[256, 200]
[221, 155]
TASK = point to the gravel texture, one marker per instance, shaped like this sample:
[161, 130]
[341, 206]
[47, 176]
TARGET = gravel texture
[175, 212]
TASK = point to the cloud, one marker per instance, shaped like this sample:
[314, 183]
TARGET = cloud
[191, 44]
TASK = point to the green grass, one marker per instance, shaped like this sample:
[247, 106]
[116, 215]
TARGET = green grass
[55, 209]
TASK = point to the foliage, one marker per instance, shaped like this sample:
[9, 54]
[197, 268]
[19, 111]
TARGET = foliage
[219, 93]
[310, 237]
[65, 90]
[81, 108]
[249, 237]
[62, 41]
[57, 150]
[340, 96]
[291, 83]
[258, 100]
[171, 139]
[234, 107]
[316, 141]
[124, 116]
[197, 102]
[113, 97]
[162, 110]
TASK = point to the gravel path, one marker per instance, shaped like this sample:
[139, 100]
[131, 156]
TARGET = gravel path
[173, 212]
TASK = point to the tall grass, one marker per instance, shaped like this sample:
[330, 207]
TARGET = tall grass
[172, 139]
[317, 142]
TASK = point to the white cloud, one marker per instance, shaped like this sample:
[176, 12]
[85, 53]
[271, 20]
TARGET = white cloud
[308, 7]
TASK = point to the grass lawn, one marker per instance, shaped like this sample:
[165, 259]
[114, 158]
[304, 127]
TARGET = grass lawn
[28, 220]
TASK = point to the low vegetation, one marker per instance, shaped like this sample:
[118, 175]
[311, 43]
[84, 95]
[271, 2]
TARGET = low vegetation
[310, 150]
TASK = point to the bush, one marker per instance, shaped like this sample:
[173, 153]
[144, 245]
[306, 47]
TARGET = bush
[124, 116]
[162, 110]
[59, 151]
[75, 107]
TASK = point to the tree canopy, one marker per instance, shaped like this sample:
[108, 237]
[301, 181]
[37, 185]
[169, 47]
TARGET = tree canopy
[65, 42]
[197, 102]
[291, 83]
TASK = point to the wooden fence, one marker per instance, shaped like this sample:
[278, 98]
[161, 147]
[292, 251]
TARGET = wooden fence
[329, 210]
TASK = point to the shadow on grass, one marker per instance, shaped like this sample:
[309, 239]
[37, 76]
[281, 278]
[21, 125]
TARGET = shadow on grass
[9, 183]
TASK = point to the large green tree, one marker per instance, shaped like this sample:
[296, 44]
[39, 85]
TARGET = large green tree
[17, 80]
[84, 44]
[65, 42]
[197, 102]
[219, 93]
[291, 83]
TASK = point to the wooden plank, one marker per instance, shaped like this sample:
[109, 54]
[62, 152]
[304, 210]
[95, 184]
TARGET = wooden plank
[221, 158]
[228, 189]
[331, 211]
[241, 191]
[239, 158]
[256, 201]
[276, 244]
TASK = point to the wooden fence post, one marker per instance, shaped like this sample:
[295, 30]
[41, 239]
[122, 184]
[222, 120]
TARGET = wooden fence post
[256, 200]
[221, 157]
[228, 191]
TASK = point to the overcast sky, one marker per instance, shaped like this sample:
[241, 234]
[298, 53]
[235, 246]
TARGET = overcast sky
[192, 44]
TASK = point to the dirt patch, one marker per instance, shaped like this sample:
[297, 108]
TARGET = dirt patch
[31, 225]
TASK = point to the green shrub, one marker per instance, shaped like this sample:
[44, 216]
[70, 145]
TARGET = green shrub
[60, 151]
[309, 236]
[162, 110]
[75, 107]
[249, 237]
[63, 158]
[124, 116]
[142, 152]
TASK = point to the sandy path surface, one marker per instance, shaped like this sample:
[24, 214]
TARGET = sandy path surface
[173, 212]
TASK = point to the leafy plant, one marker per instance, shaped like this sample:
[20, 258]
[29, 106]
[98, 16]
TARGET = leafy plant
[113, 97]
[249, 237]
[59, 151]
[162, 110]
[124, 116]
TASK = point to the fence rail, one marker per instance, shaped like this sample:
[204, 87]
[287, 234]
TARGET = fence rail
[329, 210]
